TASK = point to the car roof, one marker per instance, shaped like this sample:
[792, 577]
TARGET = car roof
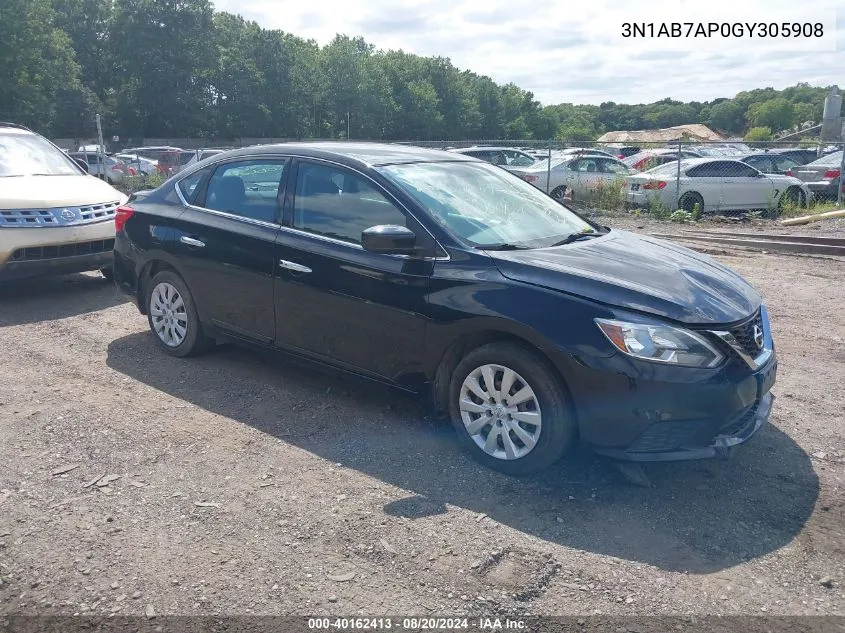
[14, 128]
[364, 154]
[487, 147]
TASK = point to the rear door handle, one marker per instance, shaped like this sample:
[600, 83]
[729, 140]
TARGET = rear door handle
[297, 268]
[190, 241]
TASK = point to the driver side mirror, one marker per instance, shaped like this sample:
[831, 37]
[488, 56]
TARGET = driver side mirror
[82, 164]
[389, 239]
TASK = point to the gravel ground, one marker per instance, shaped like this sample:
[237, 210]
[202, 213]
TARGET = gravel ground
[237, 483]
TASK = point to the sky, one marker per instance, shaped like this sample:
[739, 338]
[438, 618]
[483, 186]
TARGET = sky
[572, 51]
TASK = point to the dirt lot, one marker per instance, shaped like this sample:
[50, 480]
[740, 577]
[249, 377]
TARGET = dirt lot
[245, 484]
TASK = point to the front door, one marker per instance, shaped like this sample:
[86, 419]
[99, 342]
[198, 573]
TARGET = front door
[334, 300]
[225, 239]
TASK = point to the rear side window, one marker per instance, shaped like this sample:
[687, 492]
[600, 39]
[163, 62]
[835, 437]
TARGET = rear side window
[189, 186]
[249, 189]
[340, 204]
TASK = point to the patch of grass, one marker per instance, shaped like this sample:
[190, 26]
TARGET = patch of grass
[792, 210]
[132, 184]
[606, 195]
[657, 209]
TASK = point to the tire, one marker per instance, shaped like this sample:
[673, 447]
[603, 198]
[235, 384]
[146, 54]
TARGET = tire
[179, 310]
[792, 196]
[689, 200]
[551, 438]
[107, 273]
[558, 193]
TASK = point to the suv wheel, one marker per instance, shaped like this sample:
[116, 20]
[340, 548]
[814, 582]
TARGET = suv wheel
[509, 409]
[173, 316]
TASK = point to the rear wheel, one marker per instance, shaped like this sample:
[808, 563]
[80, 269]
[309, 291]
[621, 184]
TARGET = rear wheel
[509, 409]
[689, 200]
[173, 316]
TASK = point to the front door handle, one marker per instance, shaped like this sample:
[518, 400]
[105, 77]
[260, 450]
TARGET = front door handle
[297, 268]
[190, 241]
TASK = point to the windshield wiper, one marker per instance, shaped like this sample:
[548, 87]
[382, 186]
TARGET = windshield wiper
[574, 237]
[504, 247]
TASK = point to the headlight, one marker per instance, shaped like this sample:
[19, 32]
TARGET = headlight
[660, 343]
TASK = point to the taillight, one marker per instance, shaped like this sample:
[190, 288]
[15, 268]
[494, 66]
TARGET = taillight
[161, 168]
[831, 173]
[132, 171]
[655, 184]
[528, 178]
[620, 156]
[788, 172]
[121, 216]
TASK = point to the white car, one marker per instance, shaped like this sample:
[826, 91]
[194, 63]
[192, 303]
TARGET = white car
[144, 166]
[505, 157]
[579, 173]
[54, 217]
[714, 185]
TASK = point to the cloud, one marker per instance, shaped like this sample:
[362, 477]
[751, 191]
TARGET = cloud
[566, 55]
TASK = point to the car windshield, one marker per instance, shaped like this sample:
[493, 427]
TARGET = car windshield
[486, 206]
[29, 154]
[542, 165]
[834, 159]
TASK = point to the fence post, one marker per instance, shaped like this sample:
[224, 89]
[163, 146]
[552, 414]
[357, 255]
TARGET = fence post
[839, 192]
[549, 168]
[101, 149]
[678, 177]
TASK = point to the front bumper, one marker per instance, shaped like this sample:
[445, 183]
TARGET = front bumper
[644, 412]
[721, 445]
[40, 251]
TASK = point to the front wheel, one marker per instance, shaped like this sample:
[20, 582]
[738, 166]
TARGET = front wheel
[792, 198]
[173, 316]
[509, 409]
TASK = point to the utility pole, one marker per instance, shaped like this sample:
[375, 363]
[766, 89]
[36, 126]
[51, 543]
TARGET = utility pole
[101, 149]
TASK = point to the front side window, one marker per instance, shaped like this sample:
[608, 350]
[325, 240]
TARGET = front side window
[249, 189]
[336, 203]
[485, 206]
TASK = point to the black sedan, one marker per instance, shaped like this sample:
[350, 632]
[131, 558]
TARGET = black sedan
[528, 325]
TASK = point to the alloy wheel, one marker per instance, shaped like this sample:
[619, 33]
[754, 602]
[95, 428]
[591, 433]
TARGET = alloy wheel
[168, 315]
[500, 412]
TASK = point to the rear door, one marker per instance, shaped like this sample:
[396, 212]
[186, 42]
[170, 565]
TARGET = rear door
[225, 241]
[334, 300]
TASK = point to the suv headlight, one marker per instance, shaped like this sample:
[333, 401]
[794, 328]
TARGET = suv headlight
[661, 343]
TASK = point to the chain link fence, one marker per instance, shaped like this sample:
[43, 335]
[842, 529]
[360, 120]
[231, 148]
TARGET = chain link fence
[682, 179]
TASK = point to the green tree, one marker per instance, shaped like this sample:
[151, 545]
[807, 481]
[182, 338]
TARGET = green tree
[759, 134]
[166, 59]
[776, 114]
[728, 115]
[38, 69]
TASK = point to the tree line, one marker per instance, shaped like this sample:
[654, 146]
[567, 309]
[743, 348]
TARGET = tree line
[177, 68]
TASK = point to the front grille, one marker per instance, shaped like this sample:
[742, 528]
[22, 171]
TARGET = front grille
[666, 436]
[744, 335]
[738, 422]
[65, 250]
[58, 216]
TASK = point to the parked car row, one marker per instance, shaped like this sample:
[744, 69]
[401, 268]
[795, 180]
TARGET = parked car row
[734, 179]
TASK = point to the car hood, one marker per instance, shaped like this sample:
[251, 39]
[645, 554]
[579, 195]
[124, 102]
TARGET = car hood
[44, 192]
[640, 273]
